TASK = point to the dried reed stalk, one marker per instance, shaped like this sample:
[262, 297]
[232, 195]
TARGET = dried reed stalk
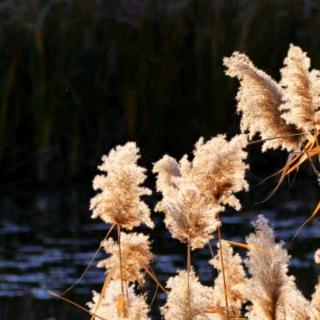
[223, 271]
[188, 278]
[120, 258]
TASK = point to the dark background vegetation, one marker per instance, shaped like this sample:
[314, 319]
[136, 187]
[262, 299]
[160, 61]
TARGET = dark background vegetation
[79, 77]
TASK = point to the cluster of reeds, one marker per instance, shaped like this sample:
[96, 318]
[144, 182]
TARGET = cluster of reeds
[195, 192]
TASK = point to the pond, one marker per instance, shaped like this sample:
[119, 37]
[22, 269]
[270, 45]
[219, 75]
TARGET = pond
[52, 243]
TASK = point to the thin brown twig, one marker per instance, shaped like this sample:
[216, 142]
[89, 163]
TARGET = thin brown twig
[154, 295]
[281, 179]
[315, 170]
[75, 304]
[152, 275]
[89, 264]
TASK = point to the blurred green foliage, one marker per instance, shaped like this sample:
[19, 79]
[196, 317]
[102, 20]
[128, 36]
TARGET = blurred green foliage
[78, 77]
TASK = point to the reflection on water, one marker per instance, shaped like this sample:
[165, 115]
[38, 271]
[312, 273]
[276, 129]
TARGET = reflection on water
[33, 263]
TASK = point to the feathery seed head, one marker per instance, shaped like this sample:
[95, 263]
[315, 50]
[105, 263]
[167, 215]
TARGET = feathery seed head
[189, 218]
[218, 169]
[135, 254]
[301, 91]
[234, 276]
[136, 307]
[194, 192]
[166, 169]
[267, 263]
[259, 98]
[120, 189]
[296, 306]
[201, 299]
[317, 256]
[315, 302]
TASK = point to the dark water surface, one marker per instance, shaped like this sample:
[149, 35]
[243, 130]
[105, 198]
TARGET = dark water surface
[48, 249]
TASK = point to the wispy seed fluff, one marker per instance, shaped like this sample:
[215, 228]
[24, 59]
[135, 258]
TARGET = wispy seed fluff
[315, 299]
[201, 299]
[296, 307]
[194, 192]
[136, 307]
[167, 169]
[302, 91]
[234, 277]
[218, 169]
[118, 201]
[135, 253]
[317, 256]
[270, 290]
[259, 98]
[190, 219]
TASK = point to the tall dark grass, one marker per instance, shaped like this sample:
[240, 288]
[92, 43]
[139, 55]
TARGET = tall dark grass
[78, 77]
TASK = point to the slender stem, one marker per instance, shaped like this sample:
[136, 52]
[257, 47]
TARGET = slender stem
[188, 278]
[120, 258]
[89, 264]
[315, 170]
[154, 296]
[223, 272]
[152, 275]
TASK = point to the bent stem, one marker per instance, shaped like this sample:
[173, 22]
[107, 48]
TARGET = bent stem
[188, 278]
[223, 272]
[89, 264]
[152, 275]
[75, 304]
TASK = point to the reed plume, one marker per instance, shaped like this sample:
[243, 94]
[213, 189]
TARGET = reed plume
[296, 306]
[315, 299]
[194, 192]
[167, 168]
[259, 99]
[136, 256]
[317, 256]
[202, 299]
[315, 302]
[235, 277]
[108, 306]
[301, 88]
[268, 266]
[120, 189]
[218, 169]
[190, 219]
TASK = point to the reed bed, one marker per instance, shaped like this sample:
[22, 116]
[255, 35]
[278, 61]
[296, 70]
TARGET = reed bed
[195, 192]
[78, 75]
